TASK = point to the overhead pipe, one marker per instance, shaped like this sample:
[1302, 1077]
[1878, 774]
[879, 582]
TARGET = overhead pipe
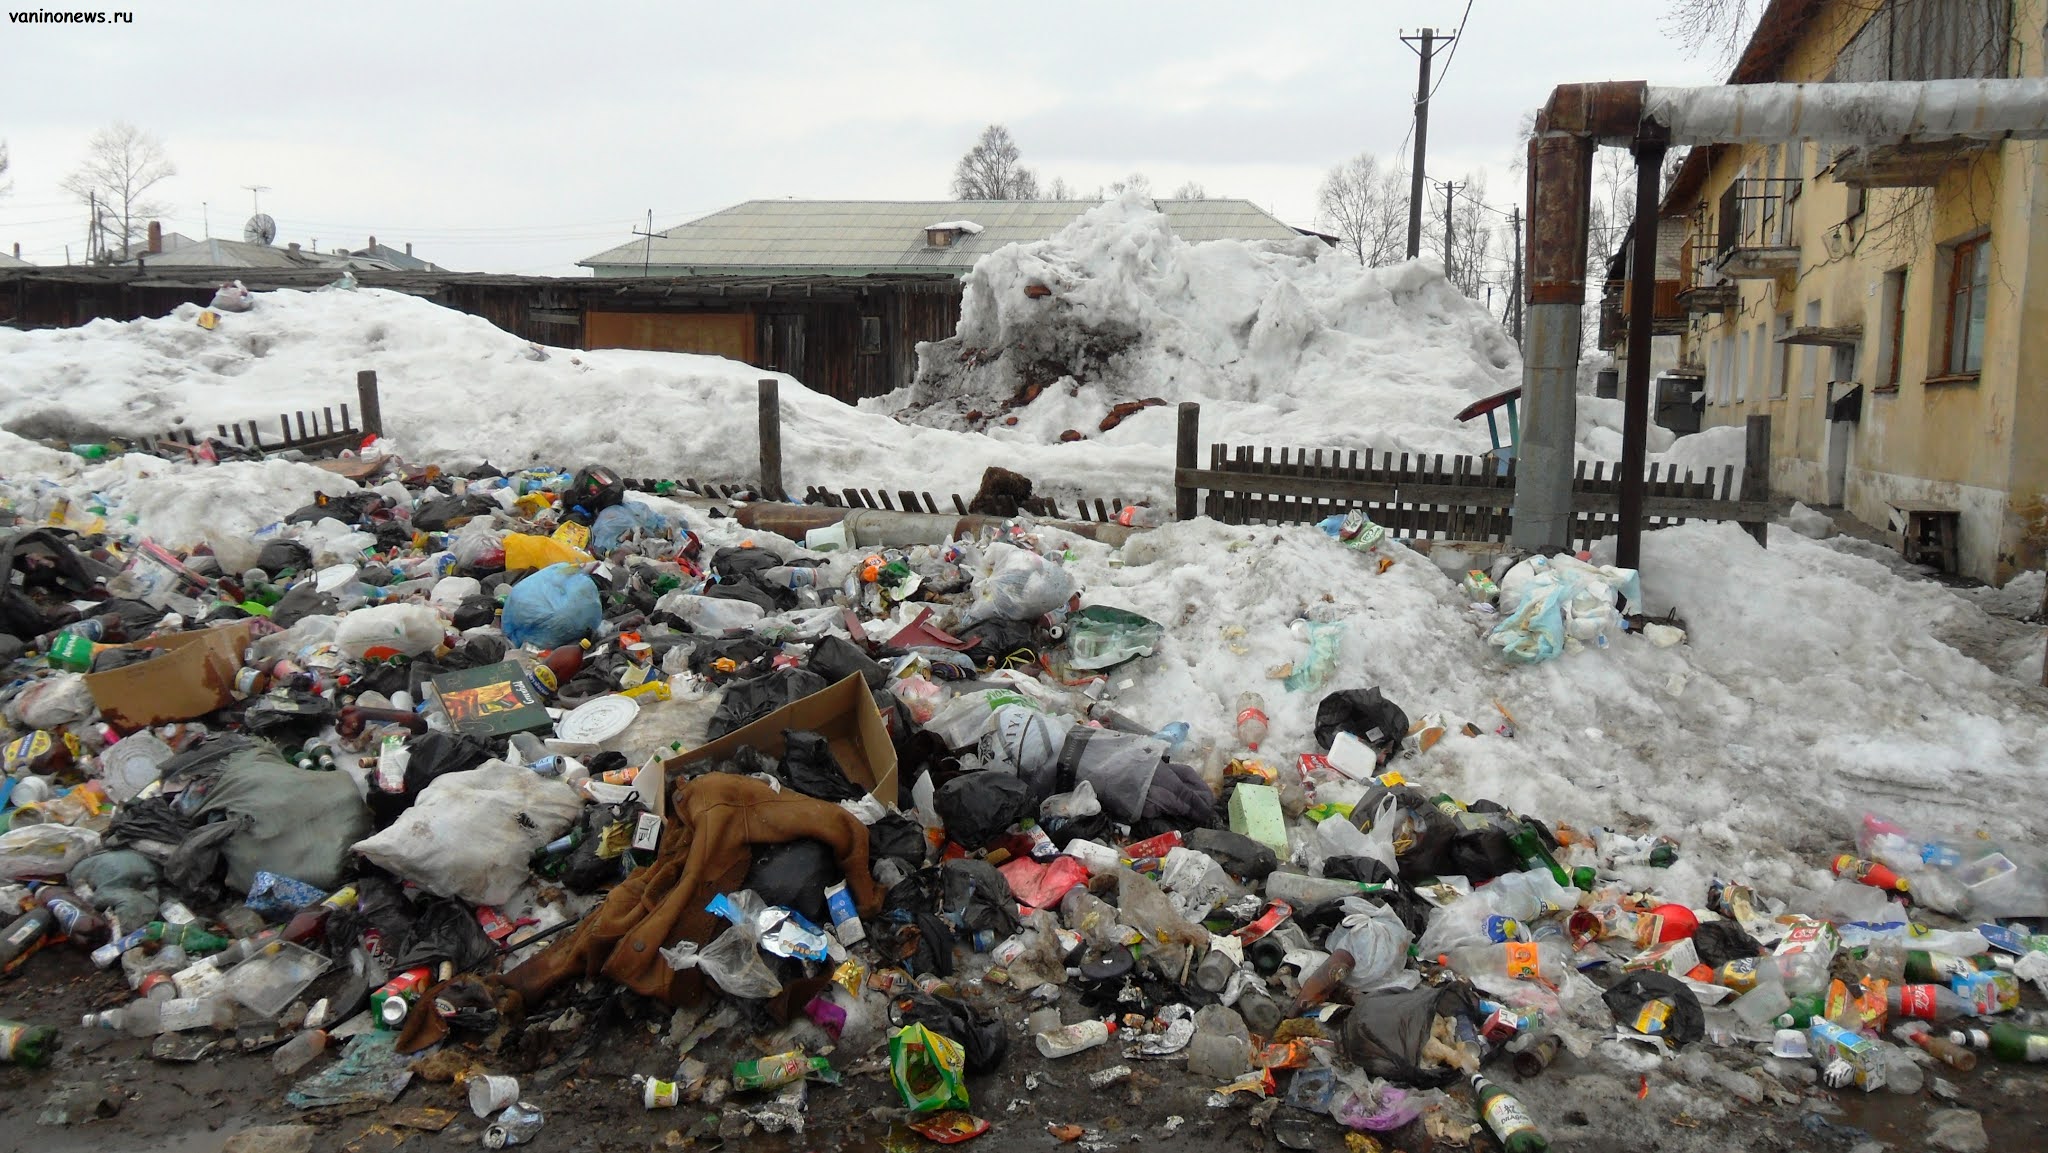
[880, 528]
[1580, 117]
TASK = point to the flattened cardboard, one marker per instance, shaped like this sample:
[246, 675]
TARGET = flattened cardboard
[843, 714]
[191, 679]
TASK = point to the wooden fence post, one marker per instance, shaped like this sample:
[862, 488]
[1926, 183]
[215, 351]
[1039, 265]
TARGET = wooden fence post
[1186, 454]
[366, 400]
[771, 439]
[1756, 472]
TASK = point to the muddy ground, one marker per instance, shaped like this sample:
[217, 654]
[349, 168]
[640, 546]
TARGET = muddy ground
[580, 1079]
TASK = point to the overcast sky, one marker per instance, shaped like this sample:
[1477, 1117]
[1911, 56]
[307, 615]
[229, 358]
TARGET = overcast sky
[521, 137]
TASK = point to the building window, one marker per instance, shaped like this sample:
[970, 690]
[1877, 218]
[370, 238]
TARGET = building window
[1893, 331]
[871, 334]
[1855, 208]
[1969, 277]
[1741, 367]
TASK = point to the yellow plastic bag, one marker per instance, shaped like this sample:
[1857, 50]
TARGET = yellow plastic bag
[928, 1069]
[525, 551]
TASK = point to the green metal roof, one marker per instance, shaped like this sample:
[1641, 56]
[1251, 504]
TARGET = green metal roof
[887, 237]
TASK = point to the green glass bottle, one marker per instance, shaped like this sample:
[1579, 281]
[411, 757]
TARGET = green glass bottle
[193, 937]
[1925, 967]
[2014, 1044]
[1804, 1009]
[1528, 845]
[1505, 1117]
[30, 1045]
[1584, 878]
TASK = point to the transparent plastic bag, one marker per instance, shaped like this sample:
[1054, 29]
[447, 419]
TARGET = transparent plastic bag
[1017, 584]
[733, 961]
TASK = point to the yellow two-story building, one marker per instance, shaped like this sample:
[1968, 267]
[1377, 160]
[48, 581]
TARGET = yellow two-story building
[1887, 306]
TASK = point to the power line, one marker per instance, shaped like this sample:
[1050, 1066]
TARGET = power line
[1457, 38]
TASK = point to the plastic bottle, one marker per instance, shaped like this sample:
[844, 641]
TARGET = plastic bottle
[1506, 1119]
[24, 936]
[1324, 983]
[1520, 960]
[299, 1052]
[182, 1013]
[1251, 720]
[311, 923]
[1764, 1003]
[1079, 1037]
[2007, 1042]
[1949, 1053]
[1872, 873]
[1928, 1003]
[1303, 891]
[30, 1045]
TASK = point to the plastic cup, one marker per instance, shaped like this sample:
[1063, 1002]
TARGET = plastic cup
[660, 1094]
[489, 1093]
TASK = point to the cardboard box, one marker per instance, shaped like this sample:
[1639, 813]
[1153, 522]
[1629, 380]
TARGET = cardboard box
[843, 714]
[190, 679]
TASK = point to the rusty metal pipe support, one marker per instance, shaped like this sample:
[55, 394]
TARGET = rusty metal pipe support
[878, 528]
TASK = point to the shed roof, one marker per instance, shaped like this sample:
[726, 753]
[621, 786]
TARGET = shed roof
[889, 235]
[7, 261]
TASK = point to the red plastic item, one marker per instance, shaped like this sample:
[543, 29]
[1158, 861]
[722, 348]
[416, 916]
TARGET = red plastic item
[1040, 885]
[1679, 922]
[1154, 847]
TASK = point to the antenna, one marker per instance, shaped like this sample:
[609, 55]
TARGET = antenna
[647, 252]
[256, 192]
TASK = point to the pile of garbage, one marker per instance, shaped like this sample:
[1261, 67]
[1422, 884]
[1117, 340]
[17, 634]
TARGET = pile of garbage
[459, 765]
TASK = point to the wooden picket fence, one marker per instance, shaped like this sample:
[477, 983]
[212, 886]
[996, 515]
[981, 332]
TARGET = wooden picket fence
[1464, 498]
[311, 433]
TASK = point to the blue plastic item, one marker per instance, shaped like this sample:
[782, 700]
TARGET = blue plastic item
[556, 606]
[614, 523]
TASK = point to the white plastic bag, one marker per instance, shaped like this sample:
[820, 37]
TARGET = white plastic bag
[451, 591]
[1378, 944]
[469, 835]
[710, 614]
[44, 850]
[54, 702]
[1017, 584]
[408, 628]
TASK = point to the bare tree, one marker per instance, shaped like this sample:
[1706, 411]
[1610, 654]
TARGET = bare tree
[990, 170]
[1368, 208]
[6, 186]
[1059, 189]
[1717, 26]
[122, 163]
[1136, 182]
[1192, 190]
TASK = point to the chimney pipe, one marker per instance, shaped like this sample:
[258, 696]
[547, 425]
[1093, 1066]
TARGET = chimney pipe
[373, 242]
[17, 250]
[408, 248]
[156, 238]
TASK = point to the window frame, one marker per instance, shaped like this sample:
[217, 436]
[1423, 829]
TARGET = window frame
[1965, 299]
[1893, 319]
[865, 347]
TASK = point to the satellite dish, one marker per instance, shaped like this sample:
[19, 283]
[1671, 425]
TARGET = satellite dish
[261, 229]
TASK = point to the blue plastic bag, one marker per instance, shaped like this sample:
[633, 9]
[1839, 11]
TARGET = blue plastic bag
[556, 606]
[614, 523]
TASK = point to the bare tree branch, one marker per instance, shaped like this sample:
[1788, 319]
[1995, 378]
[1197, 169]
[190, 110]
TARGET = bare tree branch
[122, 163]
[1192, 190]
[990, 170]
[1716, 26]
[6, 186]
[1368, 208]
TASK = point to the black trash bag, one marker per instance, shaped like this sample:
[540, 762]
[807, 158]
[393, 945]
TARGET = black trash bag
[11, 647]
[593, 490]
[151, 825]
[1650, 1002]
[1368, 870]
[1719, 942]
[391, 534]
[288, 720]
[977, 807]
[302, 600]
[430, 755]
[896, 835]
[382, 679]
[974, 894]
[980, 1033]
[768, 599]
[43, 558]
[1098, 827]
[835, 658]
[1423, 834]
[999, 640]
[1240, 856]
[1180, 797]
[380, 911]
[745, 702]
[107, 660]
[474, 612]
[746, 652]
[448, 512]
[1386, 1032]
[794, 875]
[283, 555]
[446, 930]
[1482, 854]
[1365, 714]
[138, 617]
[809, 767]
[600, 858]
[933, 950]
[732, 564]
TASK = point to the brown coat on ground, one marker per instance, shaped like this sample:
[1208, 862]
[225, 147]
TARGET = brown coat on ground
[705, 850]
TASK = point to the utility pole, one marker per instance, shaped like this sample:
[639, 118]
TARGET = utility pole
[1515, 305]
[92, 230]
[1425, 44]
[647, 251]
[1450, 218]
